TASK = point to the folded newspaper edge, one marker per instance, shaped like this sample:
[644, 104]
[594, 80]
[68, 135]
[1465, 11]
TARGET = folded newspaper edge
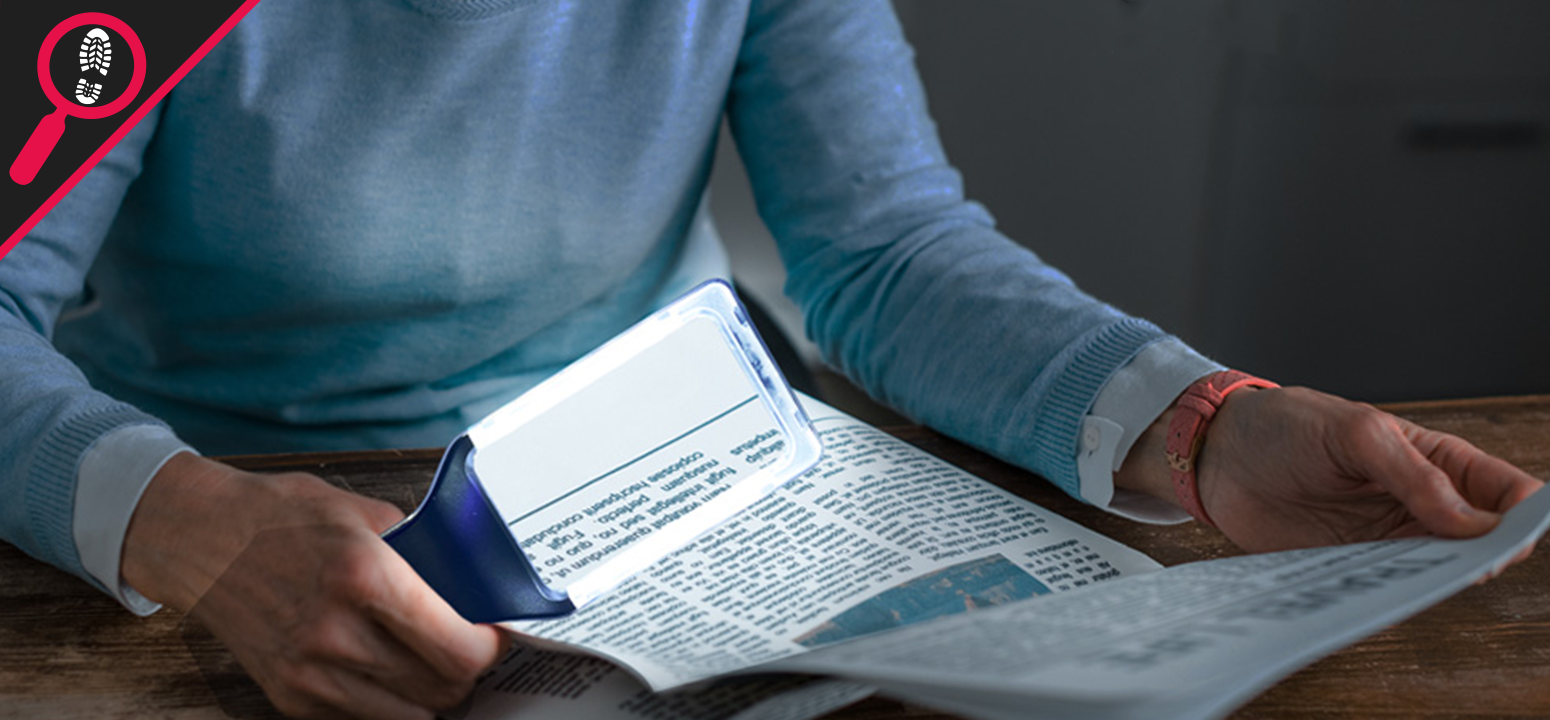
[1214, 650]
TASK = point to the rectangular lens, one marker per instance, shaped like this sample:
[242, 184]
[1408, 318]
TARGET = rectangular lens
[630, 453]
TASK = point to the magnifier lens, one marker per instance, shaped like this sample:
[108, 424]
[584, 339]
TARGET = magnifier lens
[668, 433]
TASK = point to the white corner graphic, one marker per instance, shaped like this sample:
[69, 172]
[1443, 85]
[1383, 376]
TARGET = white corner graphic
[87, 93]
[96, 51]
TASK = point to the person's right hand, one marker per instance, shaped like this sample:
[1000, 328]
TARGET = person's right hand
[291, 574]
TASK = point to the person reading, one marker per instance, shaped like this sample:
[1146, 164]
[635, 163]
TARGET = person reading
[366, 225]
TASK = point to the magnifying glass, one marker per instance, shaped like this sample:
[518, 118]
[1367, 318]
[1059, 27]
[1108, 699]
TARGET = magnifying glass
[618, 460]
[84, 106]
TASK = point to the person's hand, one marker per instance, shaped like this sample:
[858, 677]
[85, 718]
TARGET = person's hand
[289, 573]
[1289, 468]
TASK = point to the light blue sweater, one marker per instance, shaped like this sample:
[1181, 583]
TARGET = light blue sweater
[368, 223]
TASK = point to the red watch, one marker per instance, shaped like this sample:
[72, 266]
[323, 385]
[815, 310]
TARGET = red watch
[1192, 414]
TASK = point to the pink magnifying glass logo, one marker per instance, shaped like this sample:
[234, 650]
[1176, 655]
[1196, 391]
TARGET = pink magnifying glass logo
[43, 139]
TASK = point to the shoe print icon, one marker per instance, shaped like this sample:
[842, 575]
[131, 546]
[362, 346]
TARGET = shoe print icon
[96, 54]
[96, 59]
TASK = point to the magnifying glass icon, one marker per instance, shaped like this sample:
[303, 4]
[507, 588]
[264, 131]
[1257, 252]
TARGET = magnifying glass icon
[43, 139]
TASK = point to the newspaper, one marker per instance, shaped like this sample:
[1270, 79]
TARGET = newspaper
[878, 536]
[890, 569]
[1192, 641]
[545, 683]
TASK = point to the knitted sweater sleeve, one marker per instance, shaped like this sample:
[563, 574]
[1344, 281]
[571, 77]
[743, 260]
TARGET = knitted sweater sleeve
[52, 415]
[905, 286]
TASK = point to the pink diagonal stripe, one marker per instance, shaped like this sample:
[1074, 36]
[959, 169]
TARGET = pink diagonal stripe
[133, 120]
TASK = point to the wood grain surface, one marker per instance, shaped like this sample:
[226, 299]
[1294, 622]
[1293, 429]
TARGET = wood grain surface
[67, 651]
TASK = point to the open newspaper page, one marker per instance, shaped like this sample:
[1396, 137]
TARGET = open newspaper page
[543, 683]
[880, 535]
[1192, 641]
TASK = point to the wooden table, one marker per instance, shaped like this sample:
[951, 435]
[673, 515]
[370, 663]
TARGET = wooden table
[67, 651]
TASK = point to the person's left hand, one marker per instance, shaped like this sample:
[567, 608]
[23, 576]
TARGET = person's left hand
[1291, 467]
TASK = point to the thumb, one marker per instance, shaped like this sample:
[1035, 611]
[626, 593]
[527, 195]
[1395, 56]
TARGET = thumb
[379, 514]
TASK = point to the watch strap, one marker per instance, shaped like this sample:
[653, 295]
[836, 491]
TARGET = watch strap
[1192, 415]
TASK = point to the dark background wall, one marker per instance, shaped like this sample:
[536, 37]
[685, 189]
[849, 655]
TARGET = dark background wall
[1349, 194]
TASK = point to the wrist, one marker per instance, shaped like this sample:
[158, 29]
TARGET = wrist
[180, 537]
[1164, 462]
[1192, 416]
[1142, 471]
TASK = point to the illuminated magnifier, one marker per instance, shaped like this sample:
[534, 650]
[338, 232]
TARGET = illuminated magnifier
[87, 89]
[623, 457]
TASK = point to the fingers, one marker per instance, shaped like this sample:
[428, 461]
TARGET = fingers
[367, 650]
[1451, 487]
[329, 619]
[1380, 450]
[1487, 482]
[420, 619]
[380, 515]
[339, 659]
[407, 636]
[297, 610]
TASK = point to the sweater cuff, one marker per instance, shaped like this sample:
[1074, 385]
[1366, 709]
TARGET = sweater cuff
[1057, 421]
[50, 494]
[1128, 404]
[113, 474]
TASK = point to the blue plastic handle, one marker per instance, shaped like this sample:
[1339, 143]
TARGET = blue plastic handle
[462, 548]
